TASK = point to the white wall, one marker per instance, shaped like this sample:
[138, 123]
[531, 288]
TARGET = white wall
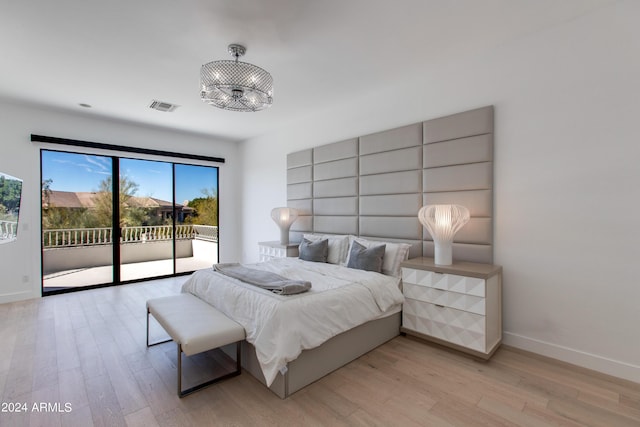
[566, 177]
[20, 261]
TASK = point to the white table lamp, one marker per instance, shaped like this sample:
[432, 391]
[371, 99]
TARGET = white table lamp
[443, 222]
[284, 217]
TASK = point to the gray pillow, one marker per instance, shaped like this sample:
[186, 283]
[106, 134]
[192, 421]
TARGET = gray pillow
[314, 251]
[369, 259]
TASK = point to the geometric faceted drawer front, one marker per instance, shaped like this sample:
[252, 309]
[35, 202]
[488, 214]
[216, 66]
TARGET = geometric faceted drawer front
[458, 327]
[447, 282]
[464, 302]
[270, 250]
[457, 305]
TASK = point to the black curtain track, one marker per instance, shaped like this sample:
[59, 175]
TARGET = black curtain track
[112, 147]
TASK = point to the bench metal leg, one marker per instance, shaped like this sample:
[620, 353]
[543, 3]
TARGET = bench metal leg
[183, 393]
[157, 342]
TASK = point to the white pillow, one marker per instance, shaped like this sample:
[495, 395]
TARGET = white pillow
[338, 246]
[394, 254]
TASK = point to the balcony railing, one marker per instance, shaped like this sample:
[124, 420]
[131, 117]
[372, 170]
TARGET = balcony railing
[70, 237]
[9, 230]
[206, 232]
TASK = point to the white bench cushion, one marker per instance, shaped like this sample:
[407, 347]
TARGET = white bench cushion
[193, 323]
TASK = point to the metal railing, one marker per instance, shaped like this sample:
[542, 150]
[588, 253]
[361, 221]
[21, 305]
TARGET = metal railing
[69, 237]
[9, 230]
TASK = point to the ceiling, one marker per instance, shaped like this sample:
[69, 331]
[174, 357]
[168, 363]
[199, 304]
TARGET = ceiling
[119, 55]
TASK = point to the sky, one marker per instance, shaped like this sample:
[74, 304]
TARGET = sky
[83, 172]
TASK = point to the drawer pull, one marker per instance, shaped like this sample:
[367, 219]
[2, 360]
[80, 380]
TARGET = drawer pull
[439, 305]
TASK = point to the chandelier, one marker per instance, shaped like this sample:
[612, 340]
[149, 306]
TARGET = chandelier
[234, 85]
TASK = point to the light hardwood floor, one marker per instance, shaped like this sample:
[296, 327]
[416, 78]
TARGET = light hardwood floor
[88, 350]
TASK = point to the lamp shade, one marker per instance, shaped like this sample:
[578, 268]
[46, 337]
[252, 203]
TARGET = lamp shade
[234, 85]
[284, 217]
[443, 222]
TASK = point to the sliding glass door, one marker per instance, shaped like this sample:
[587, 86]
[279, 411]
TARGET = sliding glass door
[196, 215]
[146, 219]
[77, 225]
[156, 219]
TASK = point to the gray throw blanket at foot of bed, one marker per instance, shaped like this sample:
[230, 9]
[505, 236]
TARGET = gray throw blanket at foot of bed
[264, 279]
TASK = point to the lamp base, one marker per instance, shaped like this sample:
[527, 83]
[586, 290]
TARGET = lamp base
[284, 236]
[443, 253]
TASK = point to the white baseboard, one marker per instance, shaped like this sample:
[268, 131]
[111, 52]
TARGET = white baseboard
[594, 362]
[17, 296]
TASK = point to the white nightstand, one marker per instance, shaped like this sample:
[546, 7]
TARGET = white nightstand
[458, 305]
[270, 250]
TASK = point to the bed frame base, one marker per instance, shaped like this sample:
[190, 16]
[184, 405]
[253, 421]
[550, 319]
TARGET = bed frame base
[314, 364]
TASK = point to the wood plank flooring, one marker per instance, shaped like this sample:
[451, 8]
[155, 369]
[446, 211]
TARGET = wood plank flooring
[81, 359]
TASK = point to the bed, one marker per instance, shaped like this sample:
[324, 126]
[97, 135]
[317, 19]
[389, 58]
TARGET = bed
[294, 340]
[373, 186]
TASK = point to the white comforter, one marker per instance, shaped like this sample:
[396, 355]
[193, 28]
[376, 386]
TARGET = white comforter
[280, 327]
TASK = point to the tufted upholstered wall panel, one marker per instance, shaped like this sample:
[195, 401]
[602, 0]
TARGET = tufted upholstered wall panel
[458, 168]
[390, 165]
[374, 185]
[335, 176]
[300, 189]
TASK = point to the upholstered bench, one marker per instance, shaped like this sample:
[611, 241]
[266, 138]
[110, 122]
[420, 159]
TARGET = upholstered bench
[194, 326]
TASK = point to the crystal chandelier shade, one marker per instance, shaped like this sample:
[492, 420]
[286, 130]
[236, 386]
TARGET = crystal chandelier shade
[234, 85]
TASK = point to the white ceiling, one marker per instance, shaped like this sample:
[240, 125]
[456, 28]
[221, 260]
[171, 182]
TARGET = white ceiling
[119, 55]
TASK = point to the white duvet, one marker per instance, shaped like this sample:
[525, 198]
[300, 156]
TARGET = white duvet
[280, 327]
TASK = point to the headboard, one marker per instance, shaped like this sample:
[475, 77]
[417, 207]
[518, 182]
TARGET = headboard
[373, 186]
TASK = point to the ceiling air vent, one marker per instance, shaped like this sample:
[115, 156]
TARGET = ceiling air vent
[163, 106]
